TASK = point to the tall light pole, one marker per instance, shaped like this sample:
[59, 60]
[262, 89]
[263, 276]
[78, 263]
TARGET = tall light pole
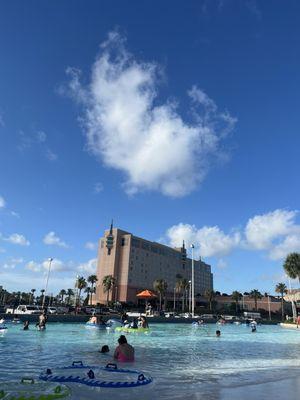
[47, 280]
[190, 296]
[193, 282]
[174, 300]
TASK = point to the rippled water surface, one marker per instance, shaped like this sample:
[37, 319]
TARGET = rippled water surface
[185, 362]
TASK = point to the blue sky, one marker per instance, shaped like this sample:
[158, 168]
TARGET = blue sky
[175, 120]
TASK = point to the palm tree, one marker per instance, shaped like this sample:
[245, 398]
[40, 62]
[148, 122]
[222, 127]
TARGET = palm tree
[62, 293]
[108, 283]
[182, 286]
[255, 295]
[292, 265]
[92, 279]
[32, 295]
[88, 291]
[210, 295]
[80, 284]
[282, 289]
[160, 286]
[70, 293]
[236, 296]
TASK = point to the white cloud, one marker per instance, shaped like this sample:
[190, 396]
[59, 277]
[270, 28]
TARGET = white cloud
[262, 230]
[2, 250]
[56, 265]
[50, 155]
[130, 131]
[98, 187]
[1, 120]
[89, 267]
[91, 246]
[16, 238]
[2, 202]
[290, 244]
[12, 263]
[52, 239]
[275, 232]
[41, 137]
[15, 214]
[209, 241]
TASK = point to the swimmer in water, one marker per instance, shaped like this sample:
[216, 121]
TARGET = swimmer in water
[104, 349]
[124, 352]
[218, 333]
[26, 326]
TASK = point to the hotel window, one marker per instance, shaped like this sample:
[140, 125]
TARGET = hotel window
[124, 242]
[135, 242]
[145, 246]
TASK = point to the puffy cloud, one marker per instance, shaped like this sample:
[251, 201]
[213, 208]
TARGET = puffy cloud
[56, 265]
[2, 202]
[52, 239]
[12, 263]
[290, 244]
[209, 241]
[129, 130]
[16, 238]
[91, 246]
[275, 232]
[262, 230]
[88, 267]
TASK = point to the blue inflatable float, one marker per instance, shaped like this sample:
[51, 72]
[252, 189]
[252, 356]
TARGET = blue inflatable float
[90, 379]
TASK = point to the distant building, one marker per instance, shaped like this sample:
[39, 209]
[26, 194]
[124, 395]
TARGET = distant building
[136, 263]
[247, 303]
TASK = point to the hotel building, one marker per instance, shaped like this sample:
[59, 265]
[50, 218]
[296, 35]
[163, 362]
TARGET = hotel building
[136, 263]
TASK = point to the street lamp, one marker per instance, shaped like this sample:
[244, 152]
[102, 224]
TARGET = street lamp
[190, 297]
[47, 280]
[174, 300]
[193, 282]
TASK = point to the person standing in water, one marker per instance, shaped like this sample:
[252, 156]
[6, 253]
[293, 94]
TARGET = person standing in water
[124, 352]
[26, 326]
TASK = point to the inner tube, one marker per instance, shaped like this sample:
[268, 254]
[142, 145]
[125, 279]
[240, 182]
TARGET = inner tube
[89, 378]
[95, 326]
[132, 330]
[28, 389]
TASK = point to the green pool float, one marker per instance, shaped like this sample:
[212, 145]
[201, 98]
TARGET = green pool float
[28, 389]
[131, 330]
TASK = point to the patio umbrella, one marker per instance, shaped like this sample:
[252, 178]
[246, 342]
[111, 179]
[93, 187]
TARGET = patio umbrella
[146, 294]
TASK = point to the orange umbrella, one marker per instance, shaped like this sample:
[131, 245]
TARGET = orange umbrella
[146, 294]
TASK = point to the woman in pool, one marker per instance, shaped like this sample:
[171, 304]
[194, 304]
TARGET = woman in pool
[144, 322]
[124, 352]
[93, 319]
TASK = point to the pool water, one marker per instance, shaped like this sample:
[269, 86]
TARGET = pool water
[184, 361]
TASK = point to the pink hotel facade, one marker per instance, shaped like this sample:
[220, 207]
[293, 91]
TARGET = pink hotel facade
[135, 263]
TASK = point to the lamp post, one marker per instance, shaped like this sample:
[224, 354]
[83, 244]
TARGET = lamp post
[47, 280]
[193, 282]
[174, 300]
[190, 296]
